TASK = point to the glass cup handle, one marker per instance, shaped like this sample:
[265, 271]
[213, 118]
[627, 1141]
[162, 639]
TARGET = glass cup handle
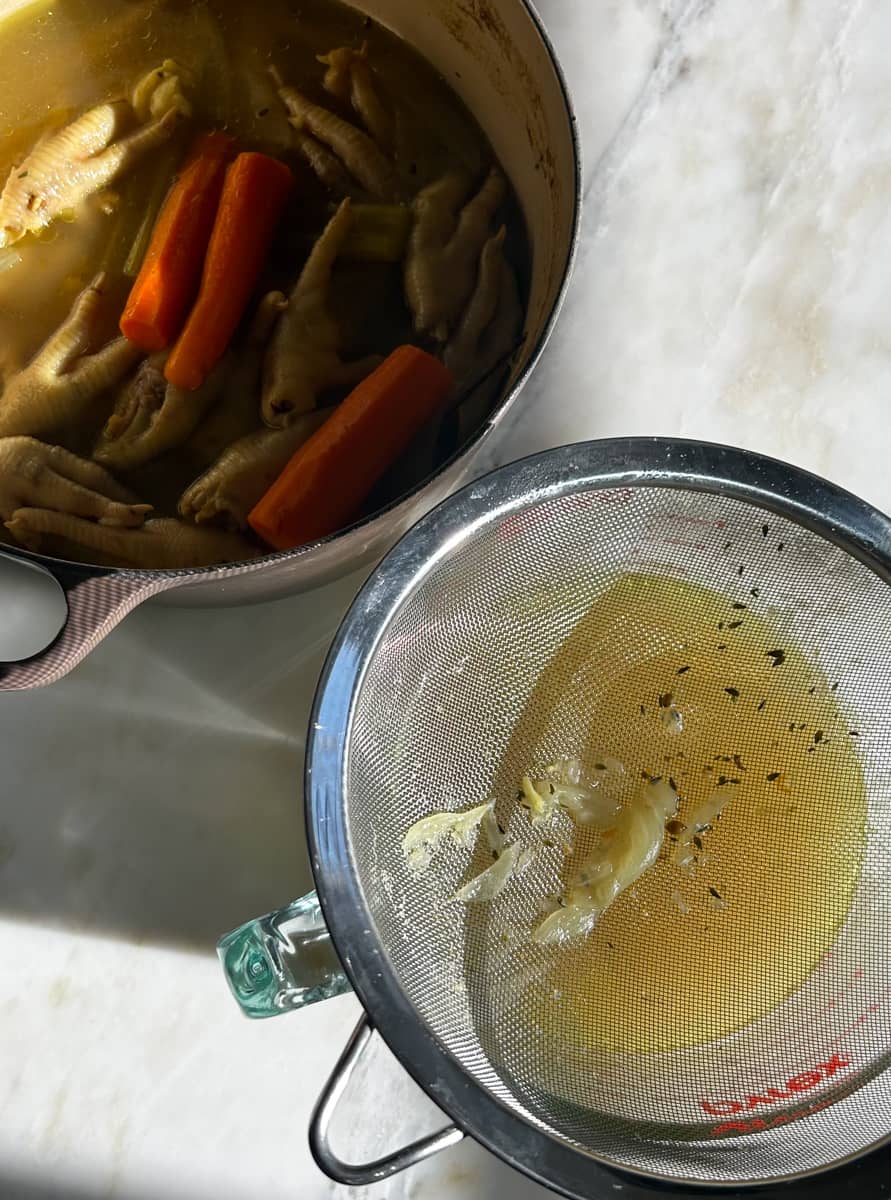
[282, 961]
[357, 1174]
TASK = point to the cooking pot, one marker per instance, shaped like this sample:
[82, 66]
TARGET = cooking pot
[496, 56]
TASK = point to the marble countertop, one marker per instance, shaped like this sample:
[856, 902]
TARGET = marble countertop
[731, 284]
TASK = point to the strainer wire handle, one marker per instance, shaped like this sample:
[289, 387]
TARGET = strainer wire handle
[356, 1174]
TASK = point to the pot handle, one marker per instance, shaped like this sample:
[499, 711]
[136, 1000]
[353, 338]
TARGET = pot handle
[94, 603]
[356, 1174]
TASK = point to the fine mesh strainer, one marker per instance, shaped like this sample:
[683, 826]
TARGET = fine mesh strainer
[427, 683]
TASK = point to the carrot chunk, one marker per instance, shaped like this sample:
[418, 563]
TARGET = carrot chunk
[254, 194]
[323, 485]
[168, 279]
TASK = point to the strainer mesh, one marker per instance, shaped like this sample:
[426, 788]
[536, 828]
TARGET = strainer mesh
[435, 727]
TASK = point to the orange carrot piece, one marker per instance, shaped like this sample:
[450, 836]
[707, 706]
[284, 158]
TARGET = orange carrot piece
[321, 488]
[254, 195]
[168, 279]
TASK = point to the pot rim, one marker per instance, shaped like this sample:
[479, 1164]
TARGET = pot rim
[372, 521]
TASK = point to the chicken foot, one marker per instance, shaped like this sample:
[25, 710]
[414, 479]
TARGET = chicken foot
[333, 139]
[488, 328]
[238, 411]
[444, 248]
[303, 358]
[327, 166]
[34, 474]
[70, 164]
[484, 339]
[161, 91]
[245, 471]
[165, 543]
[498, 341]
[350, 78]
[61, 384]
[152, 416]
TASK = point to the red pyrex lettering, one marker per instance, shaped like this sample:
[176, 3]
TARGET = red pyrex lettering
[773, 1095]
[759, 1123]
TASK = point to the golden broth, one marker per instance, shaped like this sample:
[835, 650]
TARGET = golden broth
[688, 956]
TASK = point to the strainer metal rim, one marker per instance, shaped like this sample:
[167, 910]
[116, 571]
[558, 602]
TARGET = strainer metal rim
[780, 488]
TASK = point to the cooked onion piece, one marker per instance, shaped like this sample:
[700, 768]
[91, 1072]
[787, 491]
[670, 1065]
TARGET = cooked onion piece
[615, 865]
[426, 835]
[565, 788]
[492, 881]
[698, 821]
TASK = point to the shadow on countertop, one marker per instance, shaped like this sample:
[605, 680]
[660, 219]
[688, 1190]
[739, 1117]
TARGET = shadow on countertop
[155, 794]
[13, 1187]
[492, 1179]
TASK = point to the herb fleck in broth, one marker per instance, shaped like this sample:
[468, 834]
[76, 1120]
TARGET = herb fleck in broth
[691, 953]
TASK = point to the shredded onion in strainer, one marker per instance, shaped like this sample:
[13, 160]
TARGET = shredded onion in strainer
[426, 835]
[639, 831]
[672, 719]
[699, 819]
[564, 787]
[490, 882]
[632, 839]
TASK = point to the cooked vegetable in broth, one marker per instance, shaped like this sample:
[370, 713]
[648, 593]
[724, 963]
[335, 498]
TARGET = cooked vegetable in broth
[257, 277]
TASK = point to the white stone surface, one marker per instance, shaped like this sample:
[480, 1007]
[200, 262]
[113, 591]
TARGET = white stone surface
[732, 284]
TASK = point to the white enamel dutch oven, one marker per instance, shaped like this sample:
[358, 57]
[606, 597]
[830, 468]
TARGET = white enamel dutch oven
[497, 57]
